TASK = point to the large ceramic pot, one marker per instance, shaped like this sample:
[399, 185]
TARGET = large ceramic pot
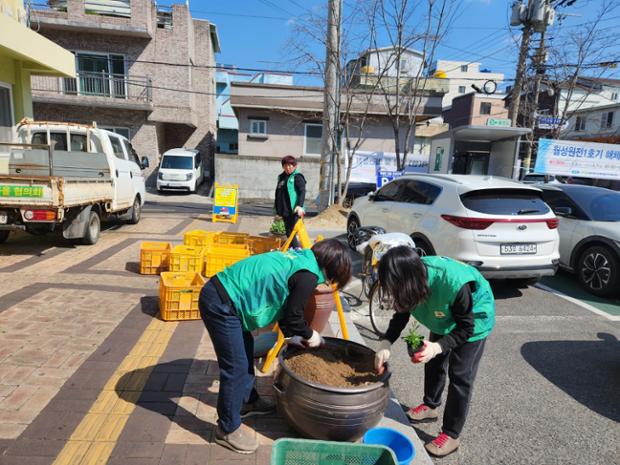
[319, 308]
[329, 413]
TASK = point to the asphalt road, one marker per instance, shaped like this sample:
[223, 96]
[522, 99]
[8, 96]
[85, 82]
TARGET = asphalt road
[547, 390]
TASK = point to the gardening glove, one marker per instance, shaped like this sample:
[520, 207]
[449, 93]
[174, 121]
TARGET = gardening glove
[300, 212]
[431, 349]
[315, 340]
[382, 355]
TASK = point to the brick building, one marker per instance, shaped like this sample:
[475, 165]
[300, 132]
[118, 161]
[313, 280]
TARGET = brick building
[143, 71]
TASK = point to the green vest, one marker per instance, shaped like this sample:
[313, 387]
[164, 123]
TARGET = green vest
[446, 277]
[258, 285]
[292, 193]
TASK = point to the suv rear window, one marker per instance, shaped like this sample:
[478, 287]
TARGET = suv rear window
[505, 202]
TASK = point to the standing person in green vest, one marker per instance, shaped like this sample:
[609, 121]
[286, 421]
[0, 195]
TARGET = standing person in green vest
[455, 302]
[290, 195]
[254, 293]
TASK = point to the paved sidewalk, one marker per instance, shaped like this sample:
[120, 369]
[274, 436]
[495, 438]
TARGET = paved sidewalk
[90, 375]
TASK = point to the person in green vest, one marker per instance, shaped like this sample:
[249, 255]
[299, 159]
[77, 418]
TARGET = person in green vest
[255, 293]
[455, 302]
[290, 195]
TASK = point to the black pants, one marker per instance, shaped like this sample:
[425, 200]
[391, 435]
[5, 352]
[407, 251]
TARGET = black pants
[461, 365]
[289, 224]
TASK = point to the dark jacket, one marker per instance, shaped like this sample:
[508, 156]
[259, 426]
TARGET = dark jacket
[282, 203]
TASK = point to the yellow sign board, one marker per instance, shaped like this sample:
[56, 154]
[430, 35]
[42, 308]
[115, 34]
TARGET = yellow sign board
[225, 203]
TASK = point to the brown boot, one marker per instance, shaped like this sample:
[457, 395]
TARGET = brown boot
[422, 413]
[239, 441]
[262, 406]
[442, 445]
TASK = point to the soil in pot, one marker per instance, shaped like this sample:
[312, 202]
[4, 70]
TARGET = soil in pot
[333, 366]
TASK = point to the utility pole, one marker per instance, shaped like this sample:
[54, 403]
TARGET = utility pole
[330, 104]
[515, 98]
[540, 59]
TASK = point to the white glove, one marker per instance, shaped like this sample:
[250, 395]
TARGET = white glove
[300, 212]
[315, 340]
[431, 349]
[382, 355]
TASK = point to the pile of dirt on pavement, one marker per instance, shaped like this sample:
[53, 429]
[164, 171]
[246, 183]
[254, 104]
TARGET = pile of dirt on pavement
[333, 366]
[334, 217]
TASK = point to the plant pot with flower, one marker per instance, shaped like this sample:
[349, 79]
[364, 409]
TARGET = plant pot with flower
[414, 341]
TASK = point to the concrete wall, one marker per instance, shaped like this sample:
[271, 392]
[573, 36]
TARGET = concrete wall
[498, 110]
[257, 175]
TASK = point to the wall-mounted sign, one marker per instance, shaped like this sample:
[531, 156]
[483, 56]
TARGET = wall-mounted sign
[501, 122]
[383, 177]
[550, 122]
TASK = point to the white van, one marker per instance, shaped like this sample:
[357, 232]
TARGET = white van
[180, 169]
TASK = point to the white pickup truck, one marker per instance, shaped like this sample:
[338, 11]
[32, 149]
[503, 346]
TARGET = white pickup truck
[70, 177]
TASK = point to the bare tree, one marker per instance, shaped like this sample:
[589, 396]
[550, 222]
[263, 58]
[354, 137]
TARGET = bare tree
[355, 104]
[408, 24]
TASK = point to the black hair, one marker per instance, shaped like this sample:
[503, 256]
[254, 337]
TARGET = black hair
[403, 276]
[335, 260]
[289, 160]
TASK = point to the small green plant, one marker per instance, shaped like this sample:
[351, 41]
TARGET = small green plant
[277, 227]
[413, 338]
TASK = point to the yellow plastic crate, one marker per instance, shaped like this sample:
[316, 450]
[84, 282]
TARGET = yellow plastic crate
[236, 240]
[199, 238]
[258, 244]
[178, 296]
[216, 258]
[154, 257]
[186, 258]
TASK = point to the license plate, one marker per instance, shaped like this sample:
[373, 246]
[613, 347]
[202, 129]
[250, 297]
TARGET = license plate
[3, 217]
[517, 249]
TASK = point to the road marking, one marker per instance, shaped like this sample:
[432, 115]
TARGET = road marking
[578, 302]
[93, 440]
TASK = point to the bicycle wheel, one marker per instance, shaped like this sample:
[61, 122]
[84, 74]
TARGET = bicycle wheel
[380, 309]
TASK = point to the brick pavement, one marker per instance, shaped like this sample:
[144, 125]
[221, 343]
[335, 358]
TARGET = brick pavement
[80, 384]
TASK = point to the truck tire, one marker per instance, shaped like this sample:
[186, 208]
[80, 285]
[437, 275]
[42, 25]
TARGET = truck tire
[135, 212]
[93, 228]
[4, 235]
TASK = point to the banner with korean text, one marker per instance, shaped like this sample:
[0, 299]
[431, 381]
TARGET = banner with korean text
[578, 158]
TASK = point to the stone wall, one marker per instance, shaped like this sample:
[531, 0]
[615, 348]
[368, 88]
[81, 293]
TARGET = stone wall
[257, 176]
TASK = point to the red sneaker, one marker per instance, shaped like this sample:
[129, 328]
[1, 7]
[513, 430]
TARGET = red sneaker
[422, 413]
[442, 445]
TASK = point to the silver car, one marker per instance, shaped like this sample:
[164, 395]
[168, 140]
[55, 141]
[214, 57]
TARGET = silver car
[589, 234]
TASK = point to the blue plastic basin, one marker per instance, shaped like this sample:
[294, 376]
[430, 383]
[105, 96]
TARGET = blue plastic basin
[395, 440]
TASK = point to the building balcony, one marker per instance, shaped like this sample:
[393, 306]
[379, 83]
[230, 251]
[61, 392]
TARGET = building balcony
[95, 89]
[114, 17]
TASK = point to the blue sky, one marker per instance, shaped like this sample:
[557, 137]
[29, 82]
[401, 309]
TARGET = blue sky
[256, 33]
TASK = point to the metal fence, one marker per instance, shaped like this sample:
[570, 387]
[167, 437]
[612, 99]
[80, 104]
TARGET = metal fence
[116, 86]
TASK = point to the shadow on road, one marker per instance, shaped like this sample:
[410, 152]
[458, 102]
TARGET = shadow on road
[588, 371]
[505, 289]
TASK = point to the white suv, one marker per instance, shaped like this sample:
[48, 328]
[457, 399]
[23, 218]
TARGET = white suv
[501, 227]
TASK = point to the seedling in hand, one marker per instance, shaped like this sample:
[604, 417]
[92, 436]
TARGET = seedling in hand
[414, 341]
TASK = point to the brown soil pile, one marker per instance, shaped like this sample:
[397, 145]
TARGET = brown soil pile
[334, 217]
[334, 366]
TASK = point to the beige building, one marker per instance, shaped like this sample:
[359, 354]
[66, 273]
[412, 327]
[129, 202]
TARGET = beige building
[144, 71]
[476, 109]
[278, 120]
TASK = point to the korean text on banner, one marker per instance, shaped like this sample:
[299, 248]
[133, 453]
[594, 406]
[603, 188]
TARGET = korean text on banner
[578, 158]
[225, 203]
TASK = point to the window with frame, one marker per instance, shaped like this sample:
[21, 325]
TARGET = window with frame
[133, 156]
[614, 96]
[78, 142]
[580, 123]
[607, 120]
[464, 68]
[485, 108]
[258, 127]
[389, 192]
[117, 148]
[418, 192]
[461, 89]
[58, 140]
[312, 138]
